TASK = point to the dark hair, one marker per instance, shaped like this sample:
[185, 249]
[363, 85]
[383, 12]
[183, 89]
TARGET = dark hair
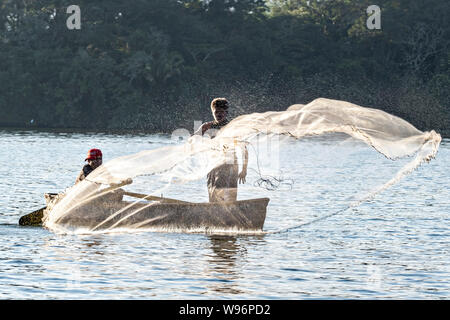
[221, 103]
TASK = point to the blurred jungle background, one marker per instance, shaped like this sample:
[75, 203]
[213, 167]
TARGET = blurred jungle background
[155, 65]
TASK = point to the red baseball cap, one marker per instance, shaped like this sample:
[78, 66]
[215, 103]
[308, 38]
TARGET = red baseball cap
[94, 154]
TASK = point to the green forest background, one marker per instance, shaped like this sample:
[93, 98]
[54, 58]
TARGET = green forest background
[155, 65]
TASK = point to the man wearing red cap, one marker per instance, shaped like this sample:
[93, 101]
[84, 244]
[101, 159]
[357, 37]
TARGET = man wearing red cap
[94, 159]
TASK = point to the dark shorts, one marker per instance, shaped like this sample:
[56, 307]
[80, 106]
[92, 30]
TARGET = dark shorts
[224, 176]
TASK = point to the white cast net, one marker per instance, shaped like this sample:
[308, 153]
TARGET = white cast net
[100, 201]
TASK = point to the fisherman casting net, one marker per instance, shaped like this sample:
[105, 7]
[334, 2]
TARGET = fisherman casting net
[136, 191]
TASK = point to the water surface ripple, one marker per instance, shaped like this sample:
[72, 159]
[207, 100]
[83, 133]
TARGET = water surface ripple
[395, 246]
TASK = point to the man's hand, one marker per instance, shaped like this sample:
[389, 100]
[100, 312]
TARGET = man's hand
[127, 181]
[242, 176]
[121, 183]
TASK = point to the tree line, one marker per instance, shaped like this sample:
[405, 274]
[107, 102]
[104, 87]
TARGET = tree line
[154, 65]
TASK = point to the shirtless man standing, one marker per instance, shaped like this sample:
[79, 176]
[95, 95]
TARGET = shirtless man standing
[223, 180]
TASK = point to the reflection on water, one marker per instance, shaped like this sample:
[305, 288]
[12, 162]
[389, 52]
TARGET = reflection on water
[229, 255]
[225, 251]
[94, 246]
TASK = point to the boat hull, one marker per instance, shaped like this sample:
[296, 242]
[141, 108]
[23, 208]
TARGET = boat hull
[239, 215]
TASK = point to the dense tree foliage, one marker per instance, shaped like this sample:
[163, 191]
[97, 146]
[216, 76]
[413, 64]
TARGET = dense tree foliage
[155, 64]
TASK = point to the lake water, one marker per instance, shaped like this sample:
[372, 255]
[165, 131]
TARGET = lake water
[395, 246]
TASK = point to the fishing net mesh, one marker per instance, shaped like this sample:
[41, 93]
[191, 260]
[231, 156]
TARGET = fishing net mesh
[98, 202]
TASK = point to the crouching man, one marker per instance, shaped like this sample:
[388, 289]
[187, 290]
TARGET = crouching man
[94, 159]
